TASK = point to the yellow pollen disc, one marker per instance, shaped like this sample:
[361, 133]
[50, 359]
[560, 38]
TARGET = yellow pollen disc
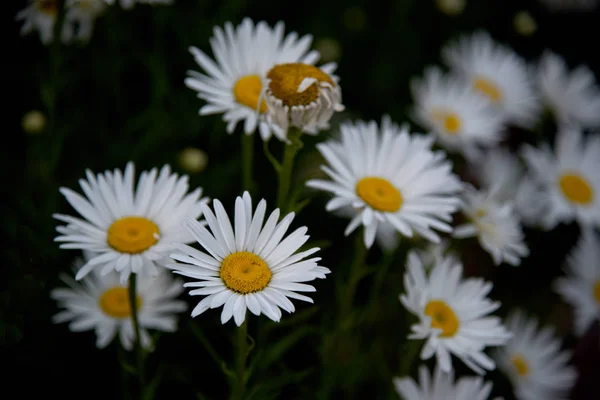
[115, 302]
[576, 188]
[488, 88]
[450, 121]
[245, 272]
[520, 365]
[132, 235]
[48, 7]
[379, 193]
[247, 92]
[442, 317]
[286, 78]
[597, 292]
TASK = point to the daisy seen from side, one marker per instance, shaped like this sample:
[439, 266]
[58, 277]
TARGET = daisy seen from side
[80, 18]
[247, 265]
[40, 15]
[130, 230]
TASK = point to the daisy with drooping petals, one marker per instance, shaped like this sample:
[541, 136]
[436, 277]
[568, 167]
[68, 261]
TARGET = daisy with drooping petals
[452, 314]
[495, 225]
[247, 265]
[129, 230]
[461, 118]
[101, 302]
[573, 97]
[40, 15]
[389, 177]
[533, 361]
[301, 95]
[441, 386]
[80, 17]
[498, 73]
[569, 176]
[581, 287]
[234, 82]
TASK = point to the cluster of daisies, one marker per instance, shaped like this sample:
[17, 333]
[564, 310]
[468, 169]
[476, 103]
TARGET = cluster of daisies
[78, 20]
[390, 182]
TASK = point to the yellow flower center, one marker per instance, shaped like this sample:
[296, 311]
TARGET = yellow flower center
[576, 188]
[245, 272]
[115, 302]
[520, 364]
[48, 7]
[442, 317]
[488, 88]
[132, 235]
[286, 79]
[450, 121]
[247, 92]
[379, 193]
[597, 292]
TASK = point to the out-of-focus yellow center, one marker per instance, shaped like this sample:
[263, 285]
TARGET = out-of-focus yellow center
[132, 235]
[285, 79]
[379, 193]
[244, 272]
[576, 188]
[520, 364]
[450, 121]
[115, 302]
[442, 317]
[247, 92]
[488, 89]
[48, 7]
[597, 292]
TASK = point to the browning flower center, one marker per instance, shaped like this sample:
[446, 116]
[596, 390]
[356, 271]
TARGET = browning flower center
[244, 272]
[379, 193]
[442, 317]
[115, 302]
[48, 7]
[450, 121]
[247, 92]
[132, 235]
[297, 84]
[576, 188]
[488, 89]
[520, 364]
[597, 292]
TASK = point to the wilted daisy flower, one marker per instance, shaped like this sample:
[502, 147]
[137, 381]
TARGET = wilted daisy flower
[569, 177]
[534, 362]
[461, 118]
[495, 225]
[101, 302]
[40, 15]
[130, 230]
[233, 84]
[442, 386]
[581, 287]
[573, 97]
[452, 314]
[247, 265]
[80, 17]
[389, 177]
[497, 72]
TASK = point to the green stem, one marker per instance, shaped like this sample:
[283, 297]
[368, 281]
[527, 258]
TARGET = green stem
[136, 329]
[287, 166]
[247, 162]
[357, 272]
[240, 362]
[378, 280]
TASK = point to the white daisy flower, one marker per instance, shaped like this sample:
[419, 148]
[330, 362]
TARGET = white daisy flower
[40, 15]
[497, 72]
[101, 302]
[570, 5]
[533, 361]
[234, 82]
[461, 118]
[386, 237]
[495, 225]
[130, 230]
[452, 314]
[581, 287]
[389, 177]
[128, 4]
[247, 265]
[441, 386]
[80, 17]
[301, 95]
[570, 177]
[573, 97]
